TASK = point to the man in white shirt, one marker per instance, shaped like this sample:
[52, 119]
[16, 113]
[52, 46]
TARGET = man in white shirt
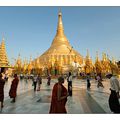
[114, 96]
[70, 84]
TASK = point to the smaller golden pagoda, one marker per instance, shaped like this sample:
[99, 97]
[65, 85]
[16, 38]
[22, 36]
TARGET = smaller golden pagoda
[25, 65]
[29, 68]
[114, 67]
[88, 64]
[18, 65]
[105, 64]
[4, 63]
[98, 66]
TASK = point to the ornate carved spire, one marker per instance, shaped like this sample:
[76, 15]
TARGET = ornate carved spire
[60, 38]
[60, 29]
[3, 56]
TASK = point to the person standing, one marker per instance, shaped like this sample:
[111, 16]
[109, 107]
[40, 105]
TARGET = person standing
[34, 82]
[49, 80]
[70, 84]
[114, 95]
[88, 81]
[13, 89]
[2, 83]
[59, 97]
[39, 82]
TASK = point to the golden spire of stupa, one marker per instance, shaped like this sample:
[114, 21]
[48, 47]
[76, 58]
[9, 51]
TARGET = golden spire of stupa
[60, 38]
[3, 56]
[60, 29]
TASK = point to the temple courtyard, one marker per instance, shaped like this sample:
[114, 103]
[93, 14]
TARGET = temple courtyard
[83, 101]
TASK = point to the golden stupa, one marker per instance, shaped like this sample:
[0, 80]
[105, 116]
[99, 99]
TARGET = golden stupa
[4, 63]
[89, 67]
[61, 54]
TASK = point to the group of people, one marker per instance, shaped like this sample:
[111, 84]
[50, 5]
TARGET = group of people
[98, 77]
[12, 91]
[37, 81]
[114, 103]
[60, 93]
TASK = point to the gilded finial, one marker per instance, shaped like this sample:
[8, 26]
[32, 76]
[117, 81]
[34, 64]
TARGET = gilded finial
[3, 38]
[60, 13]
[88, 56]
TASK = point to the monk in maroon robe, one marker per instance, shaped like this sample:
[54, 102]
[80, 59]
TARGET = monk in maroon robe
[2, 83]
[13, 89]
[59, 97]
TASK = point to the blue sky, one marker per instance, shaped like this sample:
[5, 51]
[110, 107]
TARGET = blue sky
[30, 30]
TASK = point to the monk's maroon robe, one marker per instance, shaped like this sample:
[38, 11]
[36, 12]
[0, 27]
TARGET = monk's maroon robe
[13, 89]
[2, 83]
[58, 106]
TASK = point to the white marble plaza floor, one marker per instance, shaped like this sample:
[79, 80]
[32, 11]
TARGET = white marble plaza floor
[94, 101]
